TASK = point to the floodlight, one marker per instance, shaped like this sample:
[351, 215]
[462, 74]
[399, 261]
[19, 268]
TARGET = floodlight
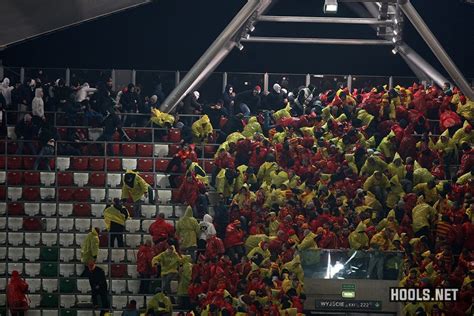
[394, 51]
[240, 46]
[252, 28]
[330, 6]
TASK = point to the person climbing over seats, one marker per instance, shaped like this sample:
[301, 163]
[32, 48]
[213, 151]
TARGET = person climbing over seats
[90, 249]
[98, 285]
[115, 217]
[134, 187]
[18, 302]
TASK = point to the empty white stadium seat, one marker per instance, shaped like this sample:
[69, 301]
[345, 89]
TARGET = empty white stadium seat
[47, 194]
[3, 252]
[97, 209]
[129, 164]
[160, 150]
[66, 224]
[66, 240]
[114, 193]
[79, 268]
[81, 178]
[164, 196]
[3, 238]
[50, 285]
[32, 209]
[11, 132]
[132, 225]
[83, 225]
[51, 224]
[32, 269]
[132, 255]
[3, 223]
[99, 223]
[47, 178]
[3, 208]
[35, 301]
[105, 267]
[132, 269]
[98, 195]
[34, 285]
[2, 268]
[32, 254]
[118, 301]
[83, 299]
[133, 240]
[49, 239]
[3, 175]
[66, 254]
[15, 254]
[65, 209]
[146, 224]
[94, 133]
[80, 238]
[15, 266]
[133, 286]
[3, 284]
[49, 209]
[83, 286]
[166, 209]
[15, 239]
[114, 179]
[140, 301]
[14, 193]
[118, 255]
[103, 255]
[15, 223]
[62, 163]
[68, 301]
[162, 181]
[149, 211]
[119, 286]
[33, 239]
[66, 270]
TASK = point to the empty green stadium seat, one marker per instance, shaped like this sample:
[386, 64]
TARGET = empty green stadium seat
[49, 269]
[49, 300]
[67, 286]
[49, 254]
[68, 312]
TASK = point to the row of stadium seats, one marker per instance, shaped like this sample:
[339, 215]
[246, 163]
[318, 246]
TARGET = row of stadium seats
[95, 164]
[94, 210]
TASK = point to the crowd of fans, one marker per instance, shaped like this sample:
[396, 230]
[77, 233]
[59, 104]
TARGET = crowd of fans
[371, 170]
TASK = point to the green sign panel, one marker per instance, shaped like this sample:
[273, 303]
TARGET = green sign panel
[347, 305]
[348, 287]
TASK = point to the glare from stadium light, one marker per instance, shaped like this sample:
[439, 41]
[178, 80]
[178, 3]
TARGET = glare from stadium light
[240, 46]
[394, 39]
[396, 21]
[252, 28]
[394, 51]
[330, 6]
[395, 32]
[247, 36]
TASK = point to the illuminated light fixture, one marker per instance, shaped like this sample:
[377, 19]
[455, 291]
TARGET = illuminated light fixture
[248, 36]
[394, 39]
[395, 32]
[240, 46]
[330, 6]
[252, 28]
[394, 51]
[396, 21]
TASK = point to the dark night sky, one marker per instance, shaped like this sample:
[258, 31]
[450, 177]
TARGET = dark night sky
[172, 34]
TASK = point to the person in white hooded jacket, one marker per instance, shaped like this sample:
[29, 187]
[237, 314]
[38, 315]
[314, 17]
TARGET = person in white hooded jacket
[207, 230]
[6, 91]
[37, 105]
[84, 92]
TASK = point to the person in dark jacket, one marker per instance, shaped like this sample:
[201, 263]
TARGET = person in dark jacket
[45, 155]
[221, 216]
[98, 285]
[274, 100]
[233, 124]
[111, 124]
[229, 97]
[129, 101]
[25, 133]
[249, 102]
[115, 217]
[190, 105]
[215, 112]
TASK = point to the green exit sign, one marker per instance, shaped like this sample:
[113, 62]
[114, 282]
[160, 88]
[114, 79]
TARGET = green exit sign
[348, 294]
[348, 287]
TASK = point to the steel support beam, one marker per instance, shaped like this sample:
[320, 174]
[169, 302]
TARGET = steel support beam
[329, 41]
[436, 48]
[216, 53]
[334, 20]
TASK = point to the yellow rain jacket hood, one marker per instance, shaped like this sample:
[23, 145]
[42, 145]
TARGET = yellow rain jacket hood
[161, 118]
[202, 128]
[252, 127]
[112, 214]
[395, 170]
[139, 187]
[422, 215]
[169, 262]
[396, 192]
[187, 229]
[358, 239]
[90, 247]
[421, 175]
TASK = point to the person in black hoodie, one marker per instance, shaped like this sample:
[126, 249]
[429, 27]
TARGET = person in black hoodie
[233, 124]
[229, 97]
[274, 100]
[129, 101]
[98, 284]
[249, 102]
[111, 124]
[25, 133]
[215, 111]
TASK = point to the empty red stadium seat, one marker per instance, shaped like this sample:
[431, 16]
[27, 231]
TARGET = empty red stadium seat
[31, 194]
[32, 224]
[173, 149]
[2, 192]
[131, 133]
[209, 151]
[129, 150]
[145, 165]
[149, 178]
[103, 240]
[14, 163]
[82, 194]
[28, 163]
[65, 194]
[82, 210]
[97, 179]
[115, 150]
[31, 178]
[96, 164]
[174, 135]
[2, 163]
[161, 165]
[15, 177]
[116, 137]
[143, 135]
[114, 164]
[62, 132]
[65, 179]
[118, 270]
[12, 148]
[79, 163]
[15, 209]
[145, 150]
